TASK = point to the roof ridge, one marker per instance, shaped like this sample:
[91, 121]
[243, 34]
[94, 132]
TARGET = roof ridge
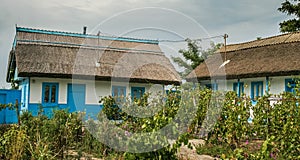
[263, 39]
[64, 33]
[240, 46]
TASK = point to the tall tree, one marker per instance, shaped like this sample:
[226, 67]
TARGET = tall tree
[193, 56]
[290, 7]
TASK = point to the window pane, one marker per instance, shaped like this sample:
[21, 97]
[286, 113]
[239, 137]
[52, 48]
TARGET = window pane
[241, 88]
[115, 92]
[46, 94]
[255, 91]
[53, 94]
[122, 92]
[208, 86]
[291, 85]
[135, 92]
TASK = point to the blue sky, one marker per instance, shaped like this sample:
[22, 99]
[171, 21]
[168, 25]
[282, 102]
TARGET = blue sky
[242, 20]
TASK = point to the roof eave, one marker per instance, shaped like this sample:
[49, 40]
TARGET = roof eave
[11, 67]
[248, 75]
[99, 78]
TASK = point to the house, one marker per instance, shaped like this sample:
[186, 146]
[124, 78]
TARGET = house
[57, 69]
[254, 68]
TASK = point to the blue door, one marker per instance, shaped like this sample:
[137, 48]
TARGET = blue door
[2, 113]
[76, 97]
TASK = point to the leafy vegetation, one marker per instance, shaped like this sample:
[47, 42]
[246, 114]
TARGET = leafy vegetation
[291, 8]
[218, 118]
[193, 56]
[272, 135]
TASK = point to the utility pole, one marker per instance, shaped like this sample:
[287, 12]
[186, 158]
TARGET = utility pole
[225, 40]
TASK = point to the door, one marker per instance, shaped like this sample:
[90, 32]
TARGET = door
[76, 97]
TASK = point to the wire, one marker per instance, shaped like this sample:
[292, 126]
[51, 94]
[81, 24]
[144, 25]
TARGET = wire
[184, 40]
[174, 41]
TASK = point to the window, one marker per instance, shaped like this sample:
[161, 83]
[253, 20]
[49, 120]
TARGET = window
[137, 92]
[50, 94]
[213, 86]
[256, 89]
[290, 85]
[119, 93]
[241, 89]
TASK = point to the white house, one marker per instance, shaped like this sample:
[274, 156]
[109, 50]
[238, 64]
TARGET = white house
[72, 70]
[268, 64]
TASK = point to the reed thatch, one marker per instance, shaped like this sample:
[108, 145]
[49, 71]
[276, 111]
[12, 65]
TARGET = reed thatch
[60, 56]
[274, 56]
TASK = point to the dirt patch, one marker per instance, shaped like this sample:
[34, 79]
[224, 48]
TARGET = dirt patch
[186, 153]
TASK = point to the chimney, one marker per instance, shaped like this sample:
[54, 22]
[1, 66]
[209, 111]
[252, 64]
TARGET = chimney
[84, 29]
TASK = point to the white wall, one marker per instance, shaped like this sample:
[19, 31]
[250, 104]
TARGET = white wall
[277, 84]
[94, 89]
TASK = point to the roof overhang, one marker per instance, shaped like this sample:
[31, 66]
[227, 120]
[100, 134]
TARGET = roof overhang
[98, 78]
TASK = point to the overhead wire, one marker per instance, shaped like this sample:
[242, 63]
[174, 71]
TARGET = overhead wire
[170, 40]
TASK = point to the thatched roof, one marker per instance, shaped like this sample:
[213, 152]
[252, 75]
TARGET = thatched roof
[273, 56]
[40, 53]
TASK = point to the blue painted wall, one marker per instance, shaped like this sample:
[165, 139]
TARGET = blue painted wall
[91, 110]
[9, 96]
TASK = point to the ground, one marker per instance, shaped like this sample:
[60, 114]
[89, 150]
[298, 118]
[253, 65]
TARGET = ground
[190, 154]
[184, 153]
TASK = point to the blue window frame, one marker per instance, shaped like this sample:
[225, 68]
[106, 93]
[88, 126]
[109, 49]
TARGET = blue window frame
[257, 89]
[235, 88]
[213, 86]
[119, 93]
[137, 92]
[50, 94]
[290, 85]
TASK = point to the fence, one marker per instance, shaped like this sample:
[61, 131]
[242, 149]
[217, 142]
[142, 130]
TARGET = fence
[8, 116]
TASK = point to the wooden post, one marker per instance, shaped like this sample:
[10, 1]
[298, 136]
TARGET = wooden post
[238, 88]
[17, 110]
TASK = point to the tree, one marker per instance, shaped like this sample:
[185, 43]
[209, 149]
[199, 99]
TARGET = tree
[290, 7]
[194, 56]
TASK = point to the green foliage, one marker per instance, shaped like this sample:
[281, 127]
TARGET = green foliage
[279, 126]
[13, 143]
[273, 134]
[220, 119]
[193, 56]
[169, 108]
[42, 138]
[290, 7]
[231, 126]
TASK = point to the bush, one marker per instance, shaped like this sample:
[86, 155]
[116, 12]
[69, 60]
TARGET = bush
[220, 119]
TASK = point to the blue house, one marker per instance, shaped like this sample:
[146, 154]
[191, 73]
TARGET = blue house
[55, 69]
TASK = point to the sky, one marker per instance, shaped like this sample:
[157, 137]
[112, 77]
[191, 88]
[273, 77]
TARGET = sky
[242, 20]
